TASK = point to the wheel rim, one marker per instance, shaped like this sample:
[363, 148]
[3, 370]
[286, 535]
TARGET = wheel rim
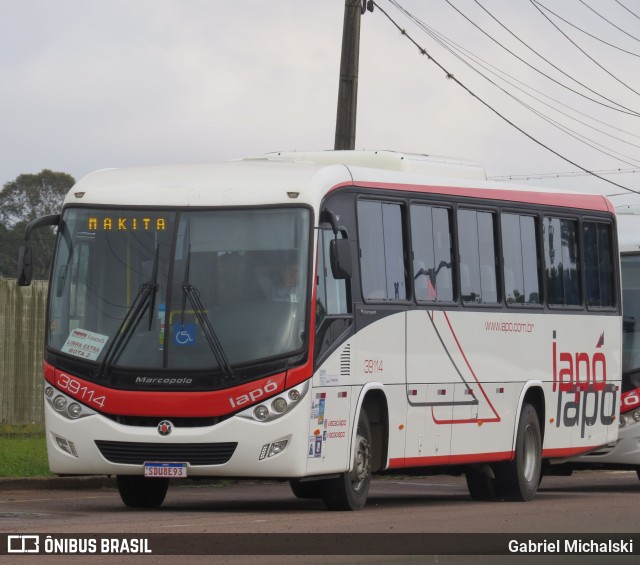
[362, 463]
[529, 453]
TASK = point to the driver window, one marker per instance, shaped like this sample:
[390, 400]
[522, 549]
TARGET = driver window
[331, 294]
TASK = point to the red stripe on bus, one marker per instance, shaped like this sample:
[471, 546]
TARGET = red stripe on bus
[168, 403]
[583, 201]
[464, 459]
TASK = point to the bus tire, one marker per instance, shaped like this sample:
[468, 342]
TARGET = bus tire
[350, 490]
[307, 489]
[482, 484]
[142, 492]
[518, 479]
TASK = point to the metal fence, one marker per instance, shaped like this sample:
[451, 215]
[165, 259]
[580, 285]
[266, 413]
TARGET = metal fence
[22, 319]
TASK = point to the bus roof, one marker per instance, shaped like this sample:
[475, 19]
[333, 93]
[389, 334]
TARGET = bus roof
[306, 177]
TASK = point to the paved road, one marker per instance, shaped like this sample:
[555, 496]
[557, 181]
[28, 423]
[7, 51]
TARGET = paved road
[587, 502]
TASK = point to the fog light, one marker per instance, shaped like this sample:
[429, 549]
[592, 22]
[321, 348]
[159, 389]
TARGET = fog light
[59, 403]
[261, 413]
[277, 447]
[622, 421]
[279, 405]
[66, 446]
[294, 395]
[49, 391]
[74, 410]
[636, 415]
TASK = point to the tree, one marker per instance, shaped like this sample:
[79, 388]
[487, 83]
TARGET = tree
[31, 196]
[28, 197]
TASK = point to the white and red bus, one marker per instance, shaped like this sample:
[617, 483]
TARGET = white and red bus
[623, 454]
[320, 317]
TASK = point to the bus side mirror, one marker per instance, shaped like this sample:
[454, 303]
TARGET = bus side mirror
[25, 265]
[340, 257]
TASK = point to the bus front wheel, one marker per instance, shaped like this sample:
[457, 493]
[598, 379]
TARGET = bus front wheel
[518, 479]
[141, 492]
[350, 490]
[307, 489]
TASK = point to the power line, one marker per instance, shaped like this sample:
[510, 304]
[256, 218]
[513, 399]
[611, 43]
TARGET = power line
[590, 34]
[627, 9]
[565, 174]
[608, 21]
[455, 50]
[624, 109]
[450, 76]
[537, 5]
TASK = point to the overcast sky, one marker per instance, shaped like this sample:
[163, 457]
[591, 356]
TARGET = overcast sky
[111, 83]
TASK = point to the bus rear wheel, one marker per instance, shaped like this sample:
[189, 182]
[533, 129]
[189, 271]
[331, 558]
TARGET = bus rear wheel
[350, 490]
[141, 492]
[518, 479]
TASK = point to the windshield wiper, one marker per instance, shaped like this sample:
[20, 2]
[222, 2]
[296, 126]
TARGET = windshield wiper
[145, 298]
[191, 293]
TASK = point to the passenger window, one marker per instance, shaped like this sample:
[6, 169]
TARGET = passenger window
[476, 241]
[598, 264]
[561, 261]
[432, 260]
[381, 251]
[520, 257]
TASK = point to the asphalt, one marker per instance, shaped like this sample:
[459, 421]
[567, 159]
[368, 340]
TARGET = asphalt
[57, 483]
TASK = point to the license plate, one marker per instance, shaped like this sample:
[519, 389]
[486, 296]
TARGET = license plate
[165, 470]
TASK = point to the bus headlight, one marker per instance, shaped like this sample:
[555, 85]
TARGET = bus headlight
[60, 403]
[636, 414]
[261, 413]
[65, 405]
[277, 406]
[74, 410]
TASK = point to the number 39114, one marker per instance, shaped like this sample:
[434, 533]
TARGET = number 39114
[373, 366]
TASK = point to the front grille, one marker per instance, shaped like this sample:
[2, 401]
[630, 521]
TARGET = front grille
[153, 421]
[136, 453]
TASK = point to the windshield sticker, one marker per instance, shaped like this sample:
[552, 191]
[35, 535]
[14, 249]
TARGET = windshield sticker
[85, 344]
[184, 334]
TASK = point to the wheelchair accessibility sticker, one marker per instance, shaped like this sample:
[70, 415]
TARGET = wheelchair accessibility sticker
[184, 335]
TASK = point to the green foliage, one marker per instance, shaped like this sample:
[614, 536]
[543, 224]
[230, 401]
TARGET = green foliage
[28, 197]
[23, 455]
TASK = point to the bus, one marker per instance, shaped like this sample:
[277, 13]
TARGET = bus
[321, 317]
[623, 454]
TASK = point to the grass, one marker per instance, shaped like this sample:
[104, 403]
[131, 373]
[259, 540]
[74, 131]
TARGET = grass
[23, 451]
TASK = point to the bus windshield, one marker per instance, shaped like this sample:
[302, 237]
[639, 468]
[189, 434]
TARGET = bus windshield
[630, 266]
[181, 290]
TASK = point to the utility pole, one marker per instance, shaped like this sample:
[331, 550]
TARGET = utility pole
[348, 88]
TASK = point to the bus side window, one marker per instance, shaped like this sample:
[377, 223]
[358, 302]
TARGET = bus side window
[561, 261]
[382, 255]
[598, 264]
[520, 255]
[432, 261]
[476, 238]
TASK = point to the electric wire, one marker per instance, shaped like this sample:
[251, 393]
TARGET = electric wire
[627, 9]
[621, 108]
[565, 174]
[590, 34]
[450, 76]
[452, 47]
[537, 5]
[608, 21]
